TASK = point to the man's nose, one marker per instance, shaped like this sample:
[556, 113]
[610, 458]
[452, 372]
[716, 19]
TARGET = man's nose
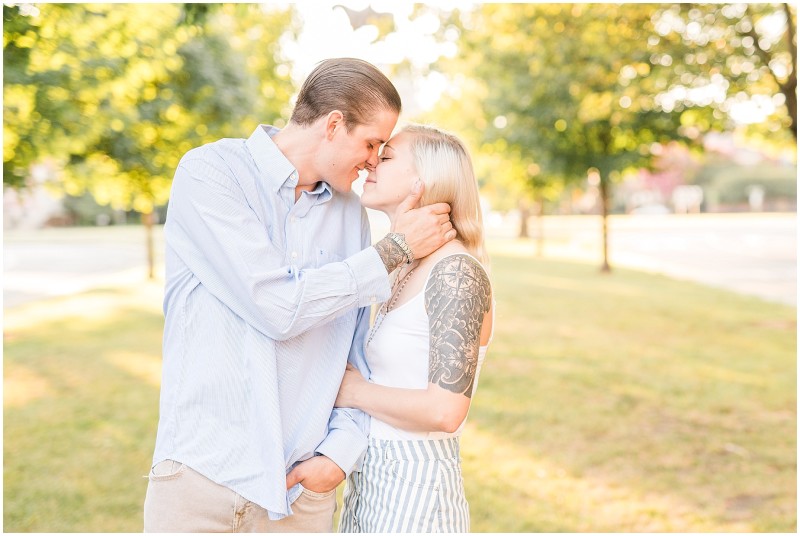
[372, 161]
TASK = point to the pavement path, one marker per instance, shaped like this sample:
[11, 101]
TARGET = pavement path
[57, 262]
[752, 254]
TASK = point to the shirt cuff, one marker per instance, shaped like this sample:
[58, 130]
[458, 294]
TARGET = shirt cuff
[372, 281]
[345, 449]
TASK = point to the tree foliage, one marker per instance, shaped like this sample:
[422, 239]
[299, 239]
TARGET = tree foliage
[568, 87]
[726, 55]
[553, 93]
[114, 95]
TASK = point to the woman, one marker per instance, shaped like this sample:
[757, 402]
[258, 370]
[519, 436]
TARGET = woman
[424, 350]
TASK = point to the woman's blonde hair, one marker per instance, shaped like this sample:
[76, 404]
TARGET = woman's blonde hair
[444, 165]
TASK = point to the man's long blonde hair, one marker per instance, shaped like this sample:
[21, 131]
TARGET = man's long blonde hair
[444, 165]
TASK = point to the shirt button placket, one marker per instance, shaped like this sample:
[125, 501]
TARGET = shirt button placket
[292, 237]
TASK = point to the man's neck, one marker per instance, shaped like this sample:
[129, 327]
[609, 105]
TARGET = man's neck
[298, 145]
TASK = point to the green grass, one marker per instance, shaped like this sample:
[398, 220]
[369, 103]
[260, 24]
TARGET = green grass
[623, 402]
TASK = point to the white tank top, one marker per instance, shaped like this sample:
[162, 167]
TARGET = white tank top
[398, 356]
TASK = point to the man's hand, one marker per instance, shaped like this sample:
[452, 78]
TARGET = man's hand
[424, 229]
[318, 474]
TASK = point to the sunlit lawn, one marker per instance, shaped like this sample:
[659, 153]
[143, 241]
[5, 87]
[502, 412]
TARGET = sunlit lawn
[627, 402]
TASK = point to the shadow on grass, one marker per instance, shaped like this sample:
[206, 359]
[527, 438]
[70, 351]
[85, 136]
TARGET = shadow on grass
[628, 402]
[80, 410]
[631, 402]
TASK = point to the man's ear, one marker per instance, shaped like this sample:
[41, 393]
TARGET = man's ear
[334, 121]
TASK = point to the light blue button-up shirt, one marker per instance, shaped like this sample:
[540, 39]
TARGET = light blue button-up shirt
[265, 299]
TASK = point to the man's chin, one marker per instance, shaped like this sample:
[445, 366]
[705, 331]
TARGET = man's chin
[346, 184]
[343, 186]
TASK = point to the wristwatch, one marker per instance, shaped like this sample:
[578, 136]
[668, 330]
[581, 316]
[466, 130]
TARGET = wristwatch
[400, 240]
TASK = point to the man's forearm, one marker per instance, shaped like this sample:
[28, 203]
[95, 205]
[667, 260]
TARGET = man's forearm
[217, 235]
[391, 254]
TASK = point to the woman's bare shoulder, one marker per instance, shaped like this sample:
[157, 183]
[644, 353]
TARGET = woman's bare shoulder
[453, 247]
[458, 267]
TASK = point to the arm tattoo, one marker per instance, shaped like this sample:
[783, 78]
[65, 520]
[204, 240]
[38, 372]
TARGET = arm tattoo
[391, 254]
[456, 298]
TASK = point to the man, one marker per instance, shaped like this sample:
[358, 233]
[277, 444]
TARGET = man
[268, 288]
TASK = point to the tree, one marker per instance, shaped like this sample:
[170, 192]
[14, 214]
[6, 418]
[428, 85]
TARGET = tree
[729, 54]
[570, 88]
[116, 94]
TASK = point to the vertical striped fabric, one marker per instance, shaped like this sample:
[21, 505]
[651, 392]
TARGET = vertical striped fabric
[407, 486]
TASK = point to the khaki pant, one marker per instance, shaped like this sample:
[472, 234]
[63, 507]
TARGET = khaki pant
[182, 500]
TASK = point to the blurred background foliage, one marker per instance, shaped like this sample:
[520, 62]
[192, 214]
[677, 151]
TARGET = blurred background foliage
[564, 92]
[556, 100]
[113, 95]
[105, 99]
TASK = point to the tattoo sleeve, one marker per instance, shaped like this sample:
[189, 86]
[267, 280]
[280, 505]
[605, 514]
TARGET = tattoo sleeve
[457, 296]
[391, 254]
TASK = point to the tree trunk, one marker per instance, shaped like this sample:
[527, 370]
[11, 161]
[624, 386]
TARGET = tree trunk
[790, 88]
[604, 201]
[540, 226]
[524, 214]
[147, 220]
[791, 103]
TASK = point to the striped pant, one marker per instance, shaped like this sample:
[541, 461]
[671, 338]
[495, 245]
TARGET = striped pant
[407, 486]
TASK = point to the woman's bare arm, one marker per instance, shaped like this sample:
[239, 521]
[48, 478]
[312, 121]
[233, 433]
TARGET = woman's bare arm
[457, 297]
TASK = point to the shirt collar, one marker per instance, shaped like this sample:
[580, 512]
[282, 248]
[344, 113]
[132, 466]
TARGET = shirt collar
[275, 167]
[270, 161]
